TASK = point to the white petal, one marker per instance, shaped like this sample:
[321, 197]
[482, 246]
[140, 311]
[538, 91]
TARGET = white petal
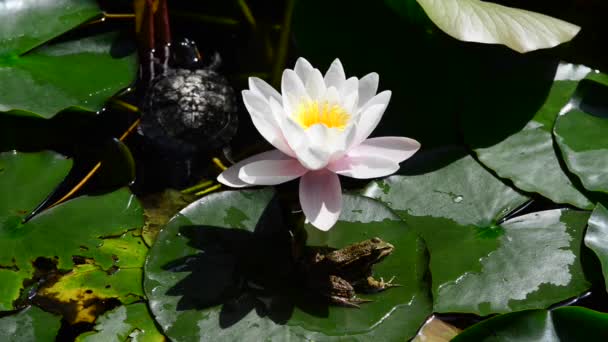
[293, 132]
[317, 152]
[303, 69]
[315, 86]
[349, 94]
[230, 176]
[271, 172]
[395, 149]
[368, 86]
[293, 91]
[334, 77]
[264, 121]
[380, 99]
[263, 89]
[321, 198]
[363, 167]
[368, 120]
[486, 22]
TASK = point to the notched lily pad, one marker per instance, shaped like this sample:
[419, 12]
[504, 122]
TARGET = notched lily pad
[569, 323]
[596, 237]
[125, 323]
[41, 81]
[30, 324]
[528, 157]
[580, 132]
[87, 290]
[223, 269]
[59, 76]
[480, 264]
[72, 230]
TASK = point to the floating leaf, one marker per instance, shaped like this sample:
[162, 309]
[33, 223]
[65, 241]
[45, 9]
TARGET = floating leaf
[42, 81]
[596, 236]
[82, 223]
[29, 325]
[528, 157]
[83, 74]
[480, 264]
[222, 269]
[581, 135]
[486, 22]
[83, 292]
[562, 324]
[125, 323]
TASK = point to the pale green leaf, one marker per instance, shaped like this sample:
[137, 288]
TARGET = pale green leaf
[485, 22]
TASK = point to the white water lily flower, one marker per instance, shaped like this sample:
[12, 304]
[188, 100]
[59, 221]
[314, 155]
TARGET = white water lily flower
[319, 125]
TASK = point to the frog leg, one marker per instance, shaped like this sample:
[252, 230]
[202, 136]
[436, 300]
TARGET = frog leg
[371, 285]
[349, 302]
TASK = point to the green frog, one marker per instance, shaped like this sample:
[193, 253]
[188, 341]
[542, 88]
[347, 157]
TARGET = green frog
[336, 273]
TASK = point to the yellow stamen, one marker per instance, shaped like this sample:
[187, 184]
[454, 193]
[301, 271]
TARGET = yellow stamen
[310, 113]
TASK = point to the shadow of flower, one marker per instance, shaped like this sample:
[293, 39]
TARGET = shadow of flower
[244, 271]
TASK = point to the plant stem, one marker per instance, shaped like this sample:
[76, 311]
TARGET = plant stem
[283, 43]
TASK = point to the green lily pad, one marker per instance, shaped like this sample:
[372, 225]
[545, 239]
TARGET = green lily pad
[563, 324]
[125, 323]
[31, 23]
[80, 74]
[222, 269]
[596, 236]
[582, 139]
[528, 157]
[480, 264]
[29, 325]
[82, 223]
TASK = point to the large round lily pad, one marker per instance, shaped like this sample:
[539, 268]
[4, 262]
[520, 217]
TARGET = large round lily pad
[41, 81]
[528, 157]
[77, 228]
[562, 324]
[222, 269]
[480, 264]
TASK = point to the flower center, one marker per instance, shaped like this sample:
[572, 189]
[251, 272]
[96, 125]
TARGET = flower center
[310, 113]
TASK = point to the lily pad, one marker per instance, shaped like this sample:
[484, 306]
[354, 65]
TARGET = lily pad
[125, 323]
[528, 158]
[80, 74]
[82, 223]
[596, 236]
[29, 325]
[562, 324]
[28, 24]
[481, 263]
[222, 269]
[83, 292]
[582, 137]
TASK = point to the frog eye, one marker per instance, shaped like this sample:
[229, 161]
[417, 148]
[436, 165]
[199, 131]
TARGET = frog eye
[376, 240]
